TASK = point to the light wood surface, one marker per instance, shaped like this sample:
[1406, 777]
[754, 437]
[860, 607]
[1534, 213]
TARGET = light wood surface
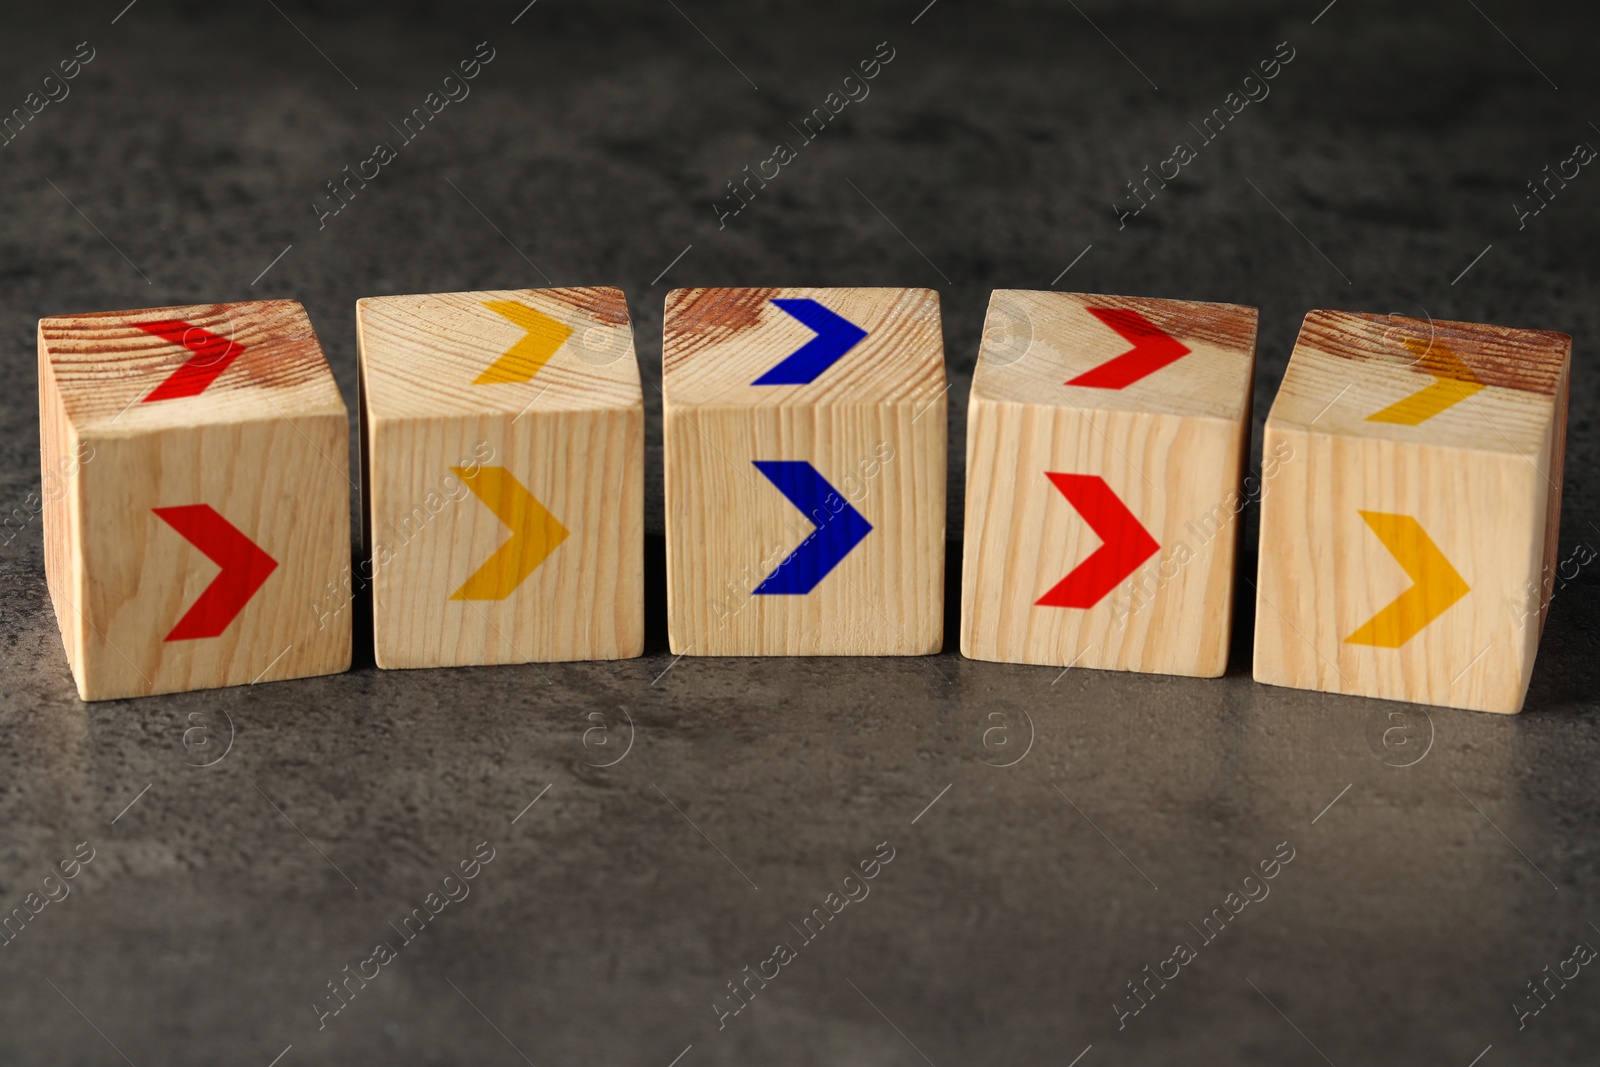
[873, 425]
[503, 476]
[263, 445]
[1410, 554]
[1168, 445]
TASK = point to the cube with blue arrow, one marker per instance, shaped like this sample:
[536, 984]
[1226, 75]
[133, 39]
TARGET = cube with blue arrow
[805, 437]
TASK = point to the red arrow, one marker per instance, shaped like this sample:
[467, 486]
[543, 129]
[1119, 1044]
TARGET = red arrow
[1126, 543]
[212, 354]
[1153, 348]
[244, 568]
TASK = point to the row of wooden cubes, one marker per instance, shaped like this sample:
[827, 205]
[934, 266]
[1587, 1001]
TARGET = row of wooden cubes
[1409, 487]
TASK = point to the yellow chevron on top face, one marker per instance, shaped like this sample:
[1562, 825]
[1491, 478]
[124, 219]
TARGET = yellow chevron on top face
[524, 359]
[1435, 583]
[535, 533]
[1455, 382]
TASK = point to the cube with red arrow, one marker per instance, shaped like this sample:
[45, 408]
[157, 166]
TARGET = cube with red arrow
[1409, 550]
[1105, 437]
[197, 504]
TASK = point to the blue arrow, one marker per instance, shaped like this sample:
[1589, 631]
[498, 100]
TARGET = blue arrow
[840, 527]
[836, 335]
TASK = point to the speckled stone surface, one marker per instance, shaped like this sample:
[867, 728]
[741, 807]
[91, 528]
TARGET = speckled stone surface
[1051, 835]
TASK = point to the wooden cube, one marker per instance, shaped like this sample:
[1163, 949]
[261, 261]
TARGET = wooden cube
[1407, 550]
[201, 537]
[805, 437]
[1105, 442]
[503, 466]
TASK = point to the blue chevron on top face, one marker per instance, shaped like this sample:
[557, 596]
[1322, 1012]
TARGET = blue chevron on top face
[840, 528]
[836, 335]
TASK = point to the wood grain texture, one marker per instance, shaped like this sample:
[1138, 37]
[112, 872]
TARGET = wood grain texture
[874, 425]
[1170, 446]
[1035, 341]
[1481, 477]
[264, 445]
[715, 342]
[104, 365]
[436, 440]
[1351, 366]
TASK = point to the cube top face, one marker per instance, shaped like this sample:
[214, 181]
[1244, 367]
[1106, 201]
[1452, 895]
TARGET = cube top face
[1455, 384]
[508, 351]
[732, 347]
[125, 372]
[1117, 353]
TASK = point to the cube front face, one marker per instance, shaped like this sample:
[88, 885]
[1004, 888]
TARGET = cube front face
[159, 504]
[1407, 551]
[202, 536]
[806, 513]
[1103, 482]
[504, 473]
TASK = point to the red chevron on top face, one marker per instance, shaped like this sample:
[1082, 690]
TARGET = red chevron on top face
[1153, 348]
[212, 355]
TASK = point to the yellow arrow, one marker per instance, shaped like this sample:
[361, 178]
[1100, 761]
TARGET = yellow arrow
[1455, 383]
[524, 359]
[1435, 583]
[535, 533]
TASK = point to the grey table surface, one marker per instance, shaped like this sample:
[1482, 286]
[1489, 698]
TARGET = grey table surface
[1052, 834]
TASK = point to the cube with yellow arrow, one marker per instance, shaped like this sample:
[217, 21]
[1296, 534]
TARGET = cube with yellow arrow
[503, 467]
[1409, 543]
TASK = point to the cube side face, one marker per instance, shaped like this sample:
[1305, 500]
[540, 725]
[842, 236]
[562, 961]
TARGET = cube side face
[733, 528]
[1099, 538]
[1400, 571]
[61, 456]
[1555, 454]
[457, 584]
[215, 555]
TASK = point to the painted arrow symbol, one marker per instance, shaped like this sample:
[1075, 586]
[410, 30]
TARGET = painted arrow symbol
[212, 355]
[840, 528]
[524, 359]
[836, 335]
[535, 533]
[1153, 348]
[1435, 584]
[244, 568]
[1126, 544]
[1454, 383]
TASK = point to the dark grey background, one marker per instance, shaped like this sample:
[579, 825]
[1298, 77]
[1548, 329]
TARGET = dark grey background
[617, 907]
